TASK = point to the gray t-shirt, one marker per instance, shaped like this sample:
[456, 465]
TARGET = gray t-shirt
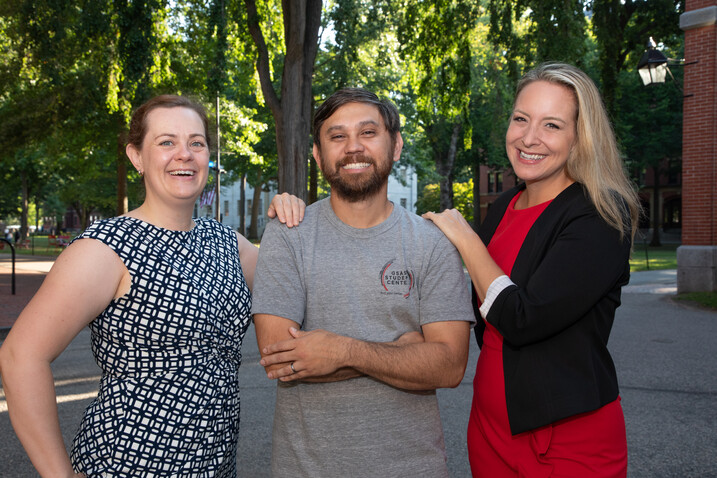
[371, 284]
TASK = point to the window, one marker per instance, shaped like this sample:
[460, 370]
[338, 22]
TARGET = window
[491, 184]
[499, 182]
[226, 208]
[403, 203]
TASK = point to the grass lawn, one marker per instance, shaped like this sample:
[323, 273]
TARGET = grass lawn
[707, 300]
[653, 258]
[41, 248]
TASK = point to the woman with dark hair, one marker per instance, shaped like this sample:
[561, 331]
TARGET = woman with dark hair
[547, 267]
[167, 299]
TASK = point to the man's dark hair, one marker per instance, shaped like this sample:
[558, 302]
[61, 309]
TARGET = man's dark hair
[388, 110]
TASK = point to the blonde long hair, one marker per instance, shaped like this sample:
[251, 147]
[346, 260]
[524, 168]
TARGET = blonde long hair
[595, 161]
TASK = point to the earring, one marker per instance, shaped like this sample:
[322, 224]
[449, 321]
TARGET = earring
[141, 173]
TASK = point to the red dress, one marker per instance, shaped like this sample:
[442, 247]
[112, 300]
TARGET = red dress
[591, 444]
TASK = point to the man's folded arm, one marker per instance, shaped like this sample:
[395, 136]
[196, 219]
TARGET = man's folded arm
[272, 329]
[436, 360]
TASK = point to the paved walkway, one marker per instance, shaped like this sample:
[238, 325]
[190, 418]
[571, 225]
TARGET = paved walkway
[663, 351]
[30, 271]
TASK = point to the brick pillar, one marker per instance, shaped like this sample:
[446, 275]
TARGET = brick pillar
[697, 256]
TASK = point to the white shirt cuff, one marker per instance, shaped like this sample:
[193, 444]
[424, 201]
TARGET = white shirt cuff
[495, 288]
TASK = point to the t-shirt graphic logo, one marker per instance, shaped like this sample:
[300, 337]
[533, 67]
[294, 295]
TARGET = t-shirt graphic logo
[396, 279]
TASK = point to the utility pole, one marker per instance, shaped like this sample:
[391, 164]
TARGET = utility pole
[242, 209]
[218, 170]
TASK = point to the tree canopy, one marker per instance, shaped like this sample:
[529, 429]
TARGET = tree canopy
[71, 73]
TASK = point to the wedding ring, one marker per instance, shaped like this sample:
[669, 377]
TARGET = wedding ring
[292, 367]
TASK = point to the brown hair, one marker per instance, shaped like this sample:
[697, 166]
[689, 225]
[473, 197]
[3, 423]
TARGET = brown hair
[595, 161]
[388, 110]
[138, 123]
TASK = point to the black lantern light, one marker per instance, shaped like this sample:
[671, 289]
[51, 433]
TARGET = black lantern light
[653, 65]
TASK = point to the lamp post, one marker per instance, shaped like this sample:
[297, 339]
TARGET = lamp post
[652, 67]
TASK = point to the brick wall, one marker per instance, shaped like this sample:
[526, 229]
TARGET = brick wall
[697, 4]
[699, 136]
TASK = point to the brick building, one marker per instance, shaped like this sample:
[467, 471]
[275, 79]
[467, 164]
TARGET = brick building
[697, 257]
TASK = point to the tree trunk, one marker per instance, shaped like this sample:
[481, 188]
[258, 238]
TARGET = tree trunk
[122, 203]
[444, 166]
[254, 228]
[60, 220]
[292, 112]
[447, 192]
[476, 195]
[242, 206]
[656, 216]
[83, 213]
[24, 206]
[313, 182]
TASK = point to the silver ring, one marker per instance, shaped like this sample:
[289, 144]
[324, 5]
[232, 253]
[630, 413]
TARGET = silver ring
[292, 367]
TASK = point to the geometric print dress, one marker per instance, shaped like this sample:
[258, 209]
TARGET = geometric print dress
[169, 351]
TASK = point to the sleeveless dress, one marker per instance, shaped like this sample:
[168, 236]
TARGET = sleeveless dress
[587, 445]
[169, 350]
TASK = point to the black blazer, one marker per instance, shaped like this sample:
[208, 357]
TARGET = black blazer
[556, 320]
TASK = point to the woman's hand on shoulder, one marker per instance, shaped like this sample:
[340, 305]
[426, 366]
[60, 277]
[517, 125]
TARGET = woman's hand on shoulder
[288, 208]
[452, 224]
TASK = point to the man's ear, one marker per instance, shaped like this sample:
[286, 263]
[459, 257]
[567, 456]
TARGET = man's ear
[398, 147]
[317, 156]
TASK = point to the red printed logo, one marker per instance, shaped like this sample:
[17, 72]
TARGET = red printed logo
[396, 279]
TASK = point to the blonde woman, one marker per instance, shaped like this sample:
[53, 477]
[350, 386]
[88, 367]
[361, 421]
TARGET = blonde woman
[548, 266]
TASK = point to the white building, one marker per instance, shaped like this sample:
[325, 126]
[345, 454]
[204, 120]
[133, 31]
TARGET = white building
[231, 204]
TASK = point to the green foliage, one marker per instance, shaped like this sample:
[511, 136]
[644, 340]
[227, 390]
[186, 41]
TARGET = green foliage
[440, 62]
[490, 106]
[70, 73]
[363, 50]
[430, 199]
[557, 31]
[439, 73]
[648, 122]
[622, 29]
[534, 31]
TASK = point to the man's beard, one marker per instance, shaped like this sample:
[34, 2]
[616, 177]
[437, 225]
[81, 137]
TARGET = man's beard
[361, 186]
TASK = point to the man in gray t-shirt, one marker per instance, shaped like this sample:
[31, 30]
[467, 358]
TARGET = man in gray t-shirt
[361, 312]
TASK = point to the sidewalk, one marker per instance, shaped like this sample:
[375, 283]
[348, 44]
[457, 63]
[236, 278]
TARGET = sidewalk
[30, 271]
[663, 351]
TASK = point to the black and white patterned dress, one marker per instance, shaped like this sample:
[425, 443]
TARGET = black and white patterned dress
[169, 350]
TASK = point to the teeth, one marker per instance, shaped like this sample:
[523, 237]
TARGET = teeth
[531, 157]
[356, 165]
[182, 173]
